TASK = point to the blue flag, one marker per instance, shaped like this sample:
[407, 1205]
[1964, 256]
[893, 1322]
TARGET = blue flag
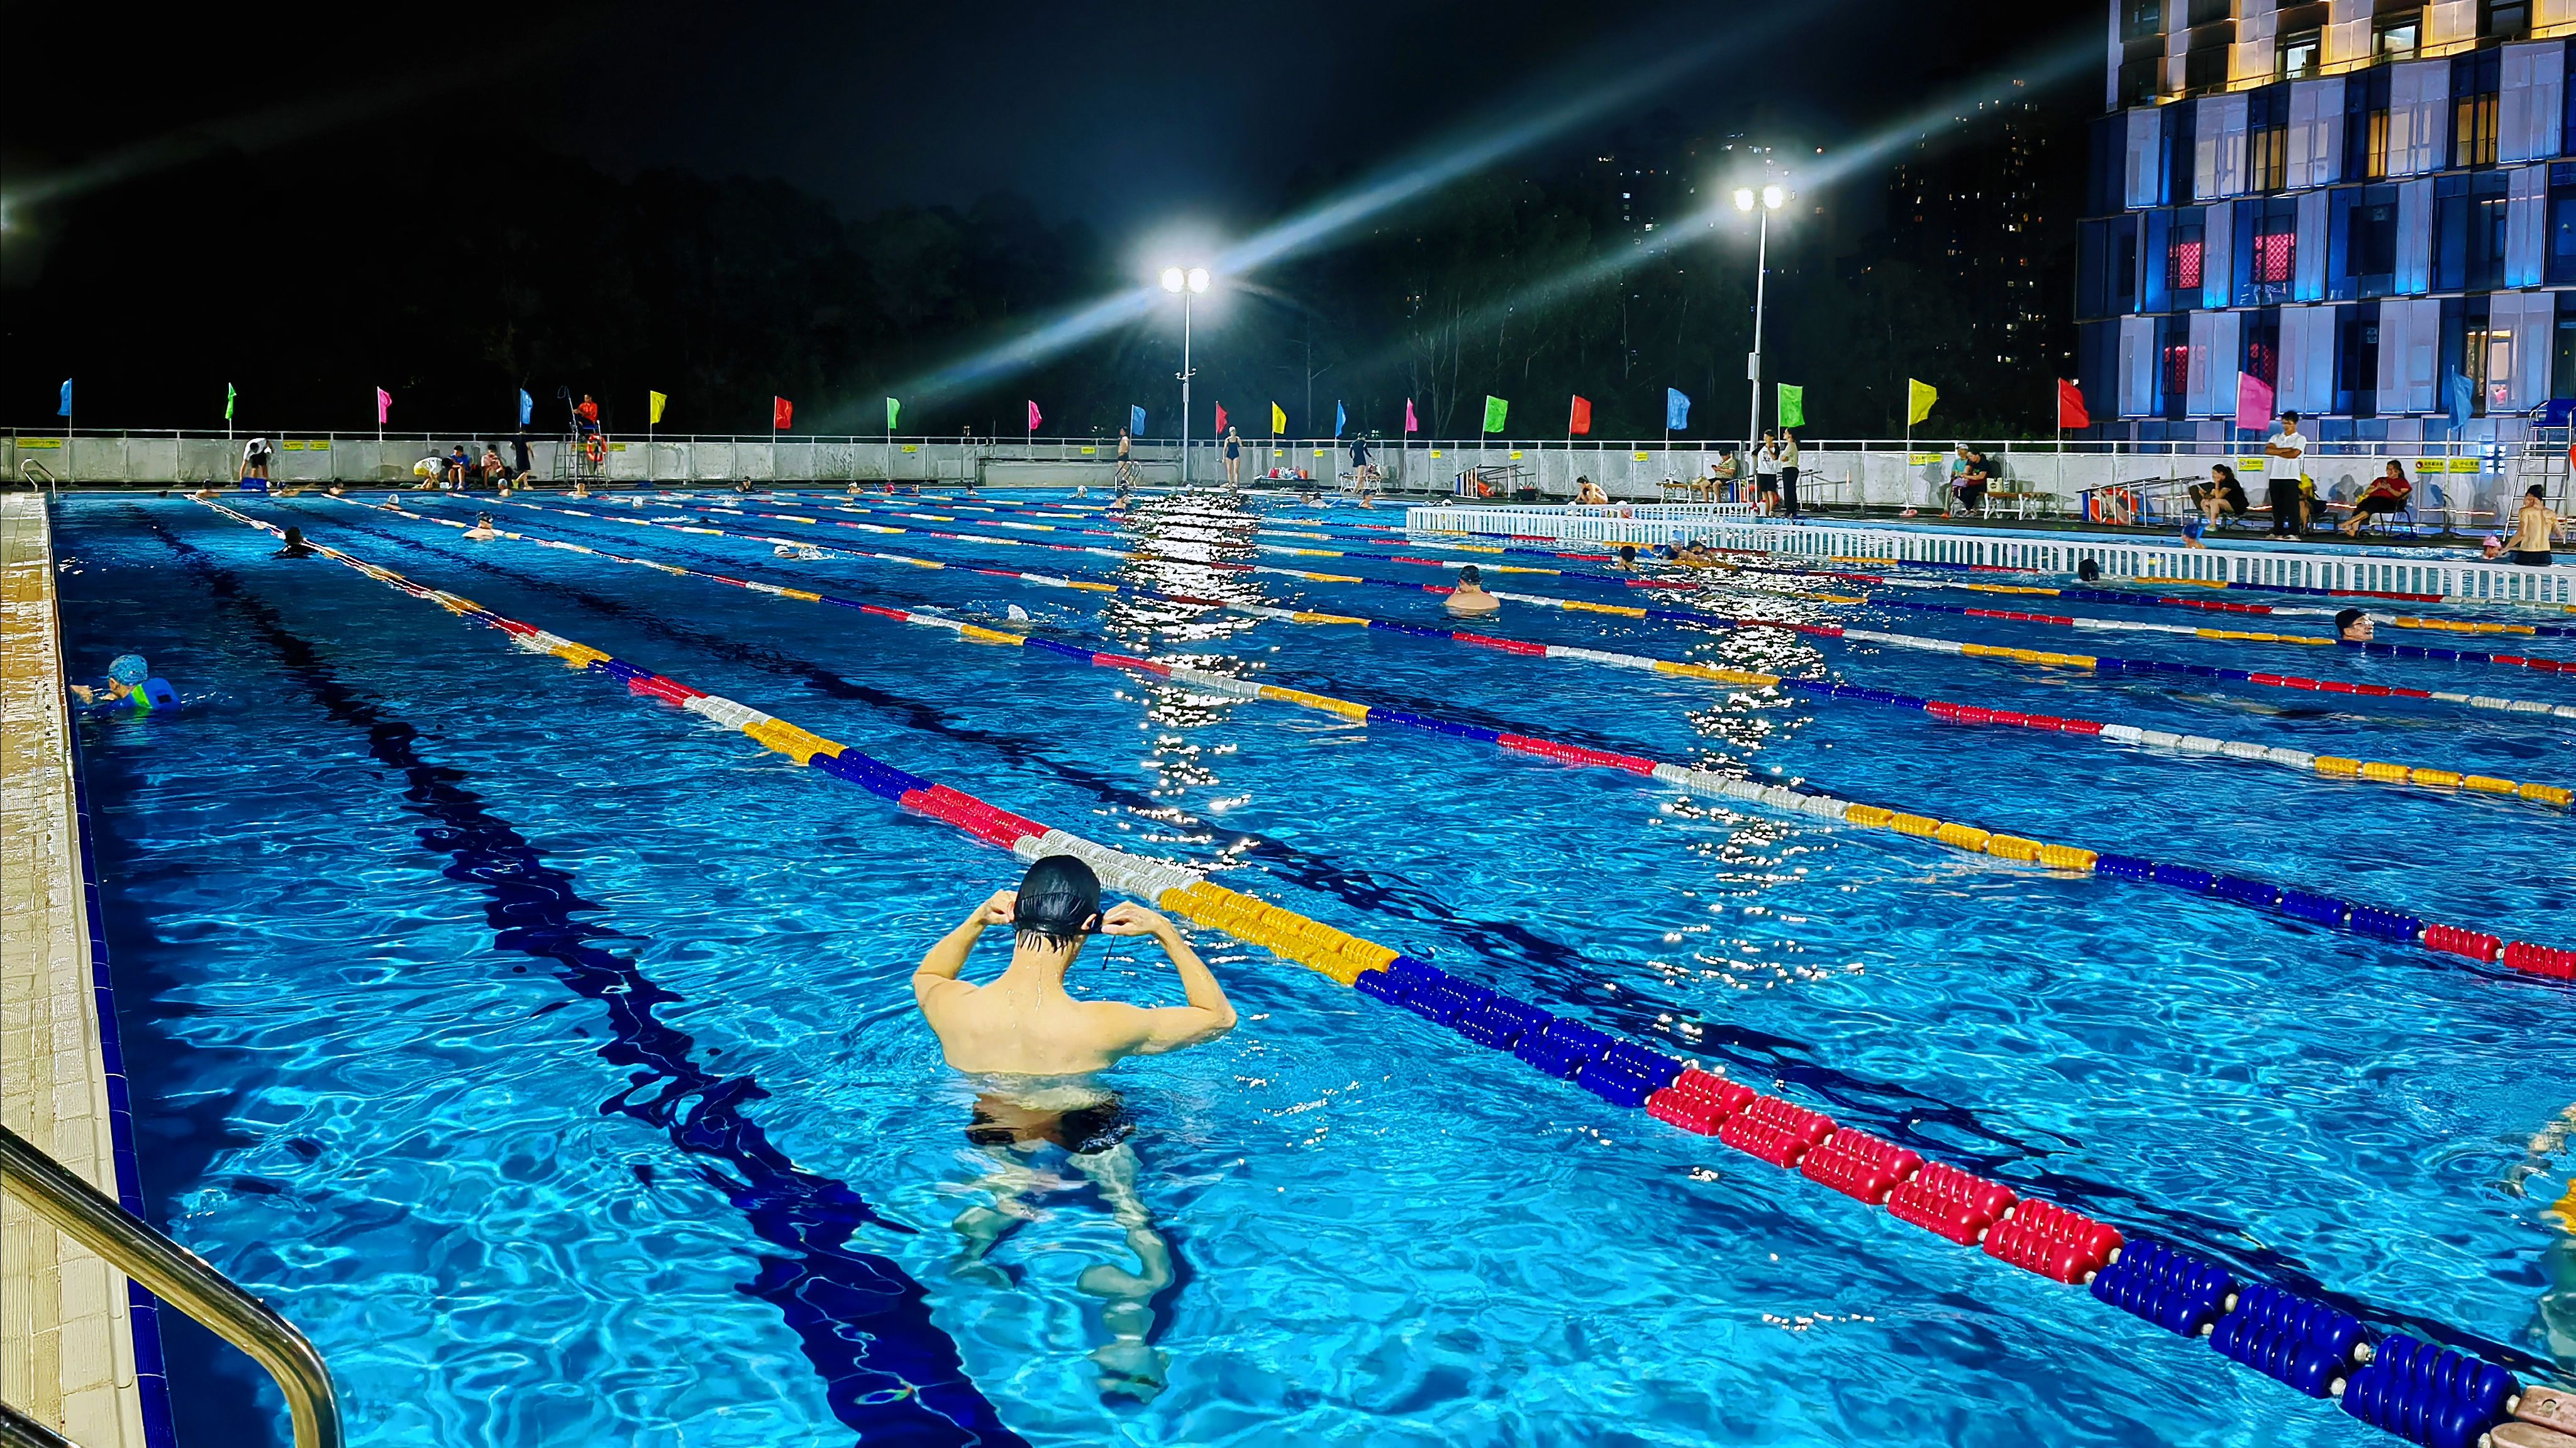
[1341, 418]
[1676, 410]
[2463, 398]
[66, 409]
[527, 407]
[1135, 421]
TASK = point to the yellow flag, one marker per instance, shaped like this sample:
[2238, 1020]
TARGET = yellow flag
[654, 415]
[1919, 397]
[1278, 420]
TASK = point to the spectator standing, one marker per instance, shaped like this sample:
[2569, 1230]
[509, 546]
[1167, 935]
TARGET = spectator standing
[1766, 475]
[1788, 459]
[2283, 464]
[255, 458]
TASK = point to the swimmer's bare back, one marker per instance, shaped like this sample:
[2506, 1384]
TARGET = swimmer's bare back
[1025, 1024]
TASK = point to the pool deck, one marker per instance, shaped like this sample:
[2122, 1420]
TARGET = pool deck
[67, 1355]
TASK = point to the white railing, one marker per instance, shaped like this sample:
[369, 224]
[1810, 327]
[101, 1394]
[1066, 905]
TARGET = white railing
[2032, 550]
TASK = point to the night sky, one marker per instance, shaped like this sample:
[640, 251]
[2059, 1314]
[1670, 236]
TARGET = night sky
[1132, 119]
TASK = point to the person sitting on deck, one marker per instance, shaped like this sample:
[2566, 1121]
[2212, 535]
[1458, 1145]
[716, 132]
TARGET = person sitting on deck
[1968, 489]
[2353, 626]
[2222, 497]
[460, 463]
[1036, 1050]
[1588, 491]
[2387, 493]
[1470, 597]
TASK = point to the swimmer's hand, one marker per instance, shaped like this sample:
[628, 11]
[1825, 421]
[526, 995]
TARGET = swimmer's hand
[1128, 918]
[1000, 909]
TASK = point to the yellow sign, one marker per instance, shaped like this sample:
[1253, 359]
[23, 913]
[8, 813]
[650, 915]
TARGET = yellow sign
[40, 442]
[1086, 452]
[1435, 452]
[316, 444]
[1921, 459]
[1640, 457]
[617, 447]
[1516, 457]
[291, 445]
[1319, 452]
[911, 447]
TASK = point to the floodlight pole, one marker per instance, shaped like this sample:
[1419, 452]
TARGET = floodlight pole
[1753, 364]
[1185, 387]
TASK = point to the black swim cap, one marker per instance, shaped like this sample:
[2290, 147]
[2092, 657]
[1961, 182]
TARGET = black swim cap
[1059, 902]
[2348, 618]
[1471, 574]
[2088, 570]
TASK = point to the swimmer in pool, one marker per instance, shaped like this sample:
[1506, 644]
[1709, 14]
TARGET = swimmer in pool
[295, 547]
[482, 527]
[125, 674]
[1036, 1048]
[1470, 596]
[2353, 626]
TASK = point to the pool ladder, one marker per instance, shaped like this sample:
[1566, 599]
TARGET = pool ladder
[176, 1276]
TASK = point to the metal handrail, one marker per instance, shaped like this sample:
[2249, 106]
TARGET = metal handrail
[181, 1278]
[17, 1430]
[31, 470]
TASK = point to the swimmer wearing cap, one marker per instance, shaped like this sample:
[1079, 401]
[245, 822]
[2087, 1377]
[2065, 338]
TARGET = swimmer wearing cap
[1470, 597]
[2353, 626]
[124, 676]
[1025, 1023]
[1036, 1046]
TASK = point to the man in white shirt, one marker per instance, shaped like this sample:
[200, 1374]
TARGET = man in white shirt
[1766, 474]
[2283, 465]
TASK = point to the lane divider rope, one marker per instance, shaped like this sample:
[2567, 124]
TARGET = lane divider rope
[2313, 908]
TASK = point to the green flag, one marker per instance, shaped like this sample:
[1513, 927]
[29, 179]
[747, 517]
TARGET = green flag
[228, 402]
[1495, 407]
[1793, 406]
[893, 409]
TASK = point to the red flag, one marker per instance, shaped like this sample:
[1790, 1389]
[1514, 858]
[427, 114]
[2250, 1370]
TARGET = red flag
[1409, 424]
[2070, 405]
[781, 413]
[1581, 422]
[1220, 419]
[1034, 419]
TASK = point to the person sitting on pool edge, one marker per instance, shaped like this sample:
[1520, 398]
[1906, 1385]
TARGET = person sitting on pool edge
[1037, 1047]
[1470, 597]
[2353, 626]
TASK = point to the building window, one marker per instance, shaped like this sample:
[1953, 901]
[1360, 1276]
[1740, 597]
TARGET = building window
[2300, 51]
[2141, 19]
[2276, 251]
[2395, 37]
[2503, 19]
[2474, 82]
[2177, 370]
[2267, 139]
[2183, 261]
[2561, 262]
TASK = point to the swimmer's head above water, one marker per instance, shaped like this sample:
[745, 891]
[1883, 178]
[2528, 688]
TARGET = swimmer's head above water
[1057, 906]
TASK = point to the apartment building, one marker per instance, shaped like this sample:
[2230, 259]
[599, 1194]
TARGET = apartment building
[2369, 206]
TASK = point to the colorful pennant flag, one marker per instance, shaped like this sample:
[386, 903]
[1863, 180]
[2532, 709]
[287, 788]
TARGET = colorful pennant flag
[894, 411]
[654, 402]
[2070, 401]
[1495, 408]
[1793, 406]
[781, 413]
[1579, 422]
[1278, 420]
[1410, 424]
[1135, 421]
[66, 409]
[384, 404]
[1676, 410]
[1034, 418]
[527, 407]
[1919, 397]
[229, 395]
[2253, 402]
[1220, 419]
[1341, 418]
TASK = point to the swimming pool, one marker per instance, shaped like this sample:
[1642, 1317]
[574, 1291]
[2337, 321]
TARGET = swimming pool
[546, 1053]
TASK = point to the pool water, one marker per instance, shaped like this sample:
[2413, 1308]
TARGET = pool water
[546, 1053]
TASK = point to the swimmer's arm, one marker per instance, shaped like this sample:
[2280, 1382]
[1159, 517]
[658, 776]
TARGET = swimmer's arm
[936, 976]
[1168, 1028]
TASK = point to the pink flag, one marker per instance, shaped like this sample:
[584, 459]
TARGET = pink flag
[384, 405]
[2253, 402]
[1034, 419]
[1409, 424]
